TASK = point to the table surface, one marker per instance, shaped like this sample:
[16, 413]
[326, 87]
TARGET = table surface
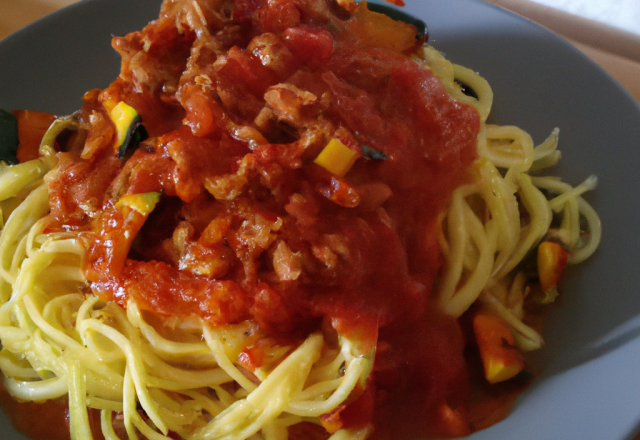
[622, 14]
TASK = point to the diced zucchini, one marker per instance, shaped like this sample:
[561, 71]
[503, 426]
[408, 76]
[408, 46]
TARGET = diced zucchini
[8, 137]
[127, 120]
[336, 158]
[372, 154]
[142, 203]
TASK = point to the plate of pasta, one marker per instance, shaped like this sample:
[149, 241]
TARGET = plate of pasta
[314, 219]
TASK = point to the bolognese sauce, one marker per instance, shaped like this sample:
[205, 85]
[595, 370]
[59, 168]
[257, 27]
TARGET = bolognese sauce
[236, 218]
[248, 226]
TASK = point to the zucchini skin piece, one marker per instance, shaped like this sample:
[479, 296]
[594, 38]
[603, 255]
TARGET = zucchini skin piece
[129, 130]
[8, 137]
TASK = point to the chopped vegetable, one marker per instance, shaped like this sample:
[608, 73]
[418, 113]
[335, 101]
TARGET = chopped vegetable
[396, 14]
[139, 135]
[380, 30]
[47, 150]
[8, 137]
[31, 129]
[143, 203]
[336, 158]
[128, 128]
[500, 357]
[372, 154]
[552, 259]
[332, 421]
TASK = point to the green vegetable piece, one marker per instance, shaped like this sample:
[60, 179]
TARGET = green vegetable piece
[139, 135]
[130, 132]
[70, 122]
[136, 134]
[8, 137]
[372, 154]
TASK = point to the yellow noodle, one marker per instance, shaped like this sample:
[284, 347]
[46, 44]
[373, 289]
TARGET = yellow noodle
[58, 340]
[78, 416]
[106, 423]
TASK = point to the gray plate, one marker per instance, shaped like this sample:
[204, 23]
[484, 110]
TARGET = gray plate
[590, 388]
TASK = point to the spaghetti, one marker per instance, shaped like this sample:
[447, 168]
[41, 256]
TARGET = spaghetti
[217, 283]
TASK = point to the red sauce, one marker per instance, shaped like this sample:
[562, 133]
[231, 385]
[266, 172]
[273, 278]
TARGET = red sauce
[231, 151]
[38, 421]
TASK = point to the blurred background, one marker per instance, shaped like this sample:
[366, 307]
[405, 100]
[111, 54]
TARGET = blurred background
[608, 31]
[15, 14]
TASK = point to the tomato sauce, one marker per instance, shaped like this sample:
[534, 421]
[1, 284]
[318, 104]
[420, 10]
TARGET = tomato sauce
[249, 227]
[38, 421]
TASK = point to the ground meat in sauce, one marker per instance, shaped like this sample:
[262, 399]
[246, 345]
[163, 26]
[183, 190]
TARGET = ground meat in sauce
[238, 98]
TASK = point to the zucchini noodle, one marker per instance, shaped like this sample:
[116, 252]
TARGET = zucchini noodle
[58, 339]
[484, 243]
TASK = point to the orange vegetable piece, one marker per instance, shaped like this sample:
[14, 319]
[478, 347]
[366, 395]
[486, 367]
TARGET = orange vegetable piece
[379, 30]
[252, 358]
[552, 259]
[332, 421]
[31, 128]
[500, 357]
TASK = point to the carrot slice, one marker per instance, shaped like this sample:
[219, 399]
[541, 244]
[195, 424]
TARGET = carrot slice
[31, 128]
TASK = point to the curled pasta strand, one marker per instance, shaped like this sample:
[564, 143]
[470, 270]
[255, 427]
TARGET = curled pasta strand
[540, 218]
[532, 339]
[106, 424]
[484, 240]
